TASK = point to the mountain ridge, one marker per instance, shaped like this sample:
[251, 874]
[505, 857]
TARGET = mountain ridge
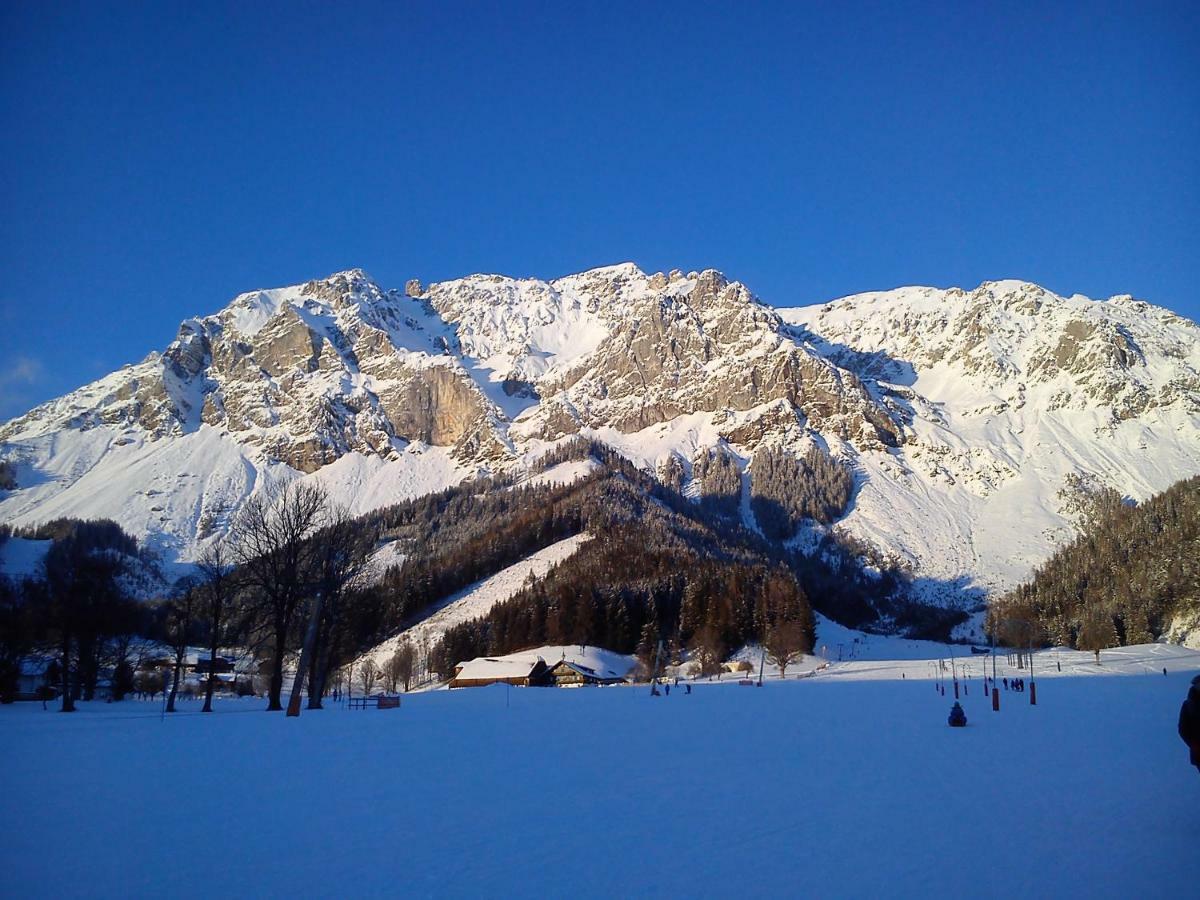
[961, 413]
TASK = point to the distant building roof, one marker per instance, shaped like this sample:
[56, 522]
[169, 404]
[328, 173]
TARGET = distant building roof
[485, 667]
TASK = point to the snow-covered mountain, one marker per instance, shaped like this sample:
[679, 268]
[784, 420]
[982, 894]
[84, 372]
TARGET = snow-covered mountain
[961, 413]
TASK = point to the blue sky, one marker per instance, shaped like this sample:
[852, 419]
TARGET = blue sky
[160, 158]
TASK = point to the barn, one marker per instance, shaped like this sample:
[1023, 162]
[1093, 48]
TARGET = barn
[519, 671]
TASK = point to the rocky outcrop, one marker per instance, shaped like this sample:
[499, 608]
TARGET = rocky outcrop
[1013, 339]
[306, 374]
[706, 345]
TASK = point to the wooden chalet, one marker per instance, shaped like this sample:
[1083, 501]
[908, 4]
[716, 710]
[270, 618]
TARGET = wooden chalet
[572, 674]
[521, 672]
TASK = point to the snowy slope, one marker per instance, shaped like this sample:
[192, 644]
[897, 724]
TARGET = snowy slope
[20, 557]
[478, 599]
[177, 493]
[1007, 390]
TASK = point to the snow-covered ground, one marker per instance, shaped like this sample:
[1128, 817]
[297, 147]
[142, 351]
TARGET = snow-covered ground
[478, 599]
[564, 473]
[830, 787]
[845, 654]
[20, 557]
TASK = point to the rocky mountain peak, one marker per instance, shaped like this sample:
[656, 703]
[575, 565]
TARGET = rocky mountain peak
[939, 399]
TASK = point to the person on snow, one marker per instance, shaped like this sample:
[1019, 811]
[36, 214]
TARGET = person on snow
[1189, 721]
[958, 718]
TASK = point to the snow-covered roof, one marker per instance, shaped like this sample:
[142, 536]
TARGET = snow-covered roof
[484, 667]
[592, 661]
[587, 671]
[596, 660]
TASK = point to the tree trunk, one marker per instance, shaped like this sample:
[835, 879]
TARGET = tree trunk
[276, 689]
[88, 673]
[174, 683]
[212, 661]
[327, 639]
[310, 639]
[316, 679]
[68, 702]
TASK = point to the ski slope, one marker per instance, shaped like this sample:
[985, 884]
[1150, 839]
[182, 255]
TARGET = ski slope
[829, 787]
[478, 599]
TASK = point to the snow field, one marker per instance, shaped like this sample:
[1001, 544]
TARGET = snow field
[818, 787]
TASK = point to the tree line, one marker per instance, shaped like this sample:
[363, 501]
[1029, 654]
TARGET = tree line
[1121, 581]
[294, 585]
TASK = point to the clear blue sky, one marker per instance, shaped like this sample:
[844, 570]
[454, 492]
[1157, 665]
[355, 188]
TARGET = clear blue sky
[160, 158]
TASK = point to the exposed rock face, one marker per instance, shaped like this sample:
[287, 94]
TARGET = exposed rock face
[307, 374]
[335, 365]
[953, 408]
[1015, 338]
[708, 345]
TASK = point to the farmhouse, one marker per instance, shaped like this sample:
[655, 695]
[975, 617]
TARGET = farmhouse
[566, 673]
[519, 671]
[573, 666]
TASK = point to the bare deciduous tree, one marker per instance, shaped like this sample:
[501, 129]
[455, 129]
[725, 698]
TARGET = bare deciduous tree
[368, 674]
[275, 562]
[180, 623]
[708, 649]
[342, 558]
[400, 666]
[217, 586]
[786, 642]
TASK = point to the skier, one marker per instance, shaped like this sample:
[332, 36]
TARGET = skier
[1189, 722]
[957, 718]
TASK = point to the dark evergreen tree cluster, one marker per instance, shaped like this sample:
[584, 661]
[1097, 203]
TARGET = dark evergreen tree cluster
[720, 480]
[627, 583]
[649, 574]
[671, 471]
[8, 476]
[786, 489]
[78, 607]
[1121, 580]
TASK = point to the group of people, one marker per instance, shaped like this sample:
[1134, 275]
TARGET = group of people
[667, 688]
[1018, 684]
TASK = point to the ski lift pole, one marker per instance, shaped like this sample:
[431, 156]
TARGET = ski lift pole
[1032, 683]
[995, 691]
